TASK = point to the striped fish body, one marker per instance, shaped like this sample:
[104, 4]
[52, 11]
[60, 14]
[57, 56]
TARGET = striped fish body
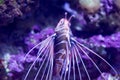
[61, 54]
[61, 45]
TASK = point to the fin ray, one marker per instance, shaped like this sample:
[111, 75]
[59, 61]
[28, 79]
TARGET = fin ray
[76, 58]
[78, 47]
[44, 50]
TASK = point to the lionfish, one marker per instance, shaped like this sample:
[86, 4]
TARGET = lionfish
[62, 55]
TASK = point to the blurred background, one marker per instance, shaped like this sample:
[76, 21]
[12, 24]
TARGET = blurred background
[24, 23]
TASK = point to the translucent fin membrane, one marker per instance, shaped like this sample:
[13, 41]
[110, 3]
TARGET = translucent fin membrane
[45, 53]
[77, 50]
[78, 69]
[75, 66]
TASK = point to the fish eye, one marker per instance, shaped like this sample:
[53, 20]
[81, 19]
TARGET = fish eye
[62, 22]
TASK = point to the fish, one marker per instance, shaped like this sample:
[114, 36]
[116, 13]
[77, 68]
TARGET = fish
[63, 55]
